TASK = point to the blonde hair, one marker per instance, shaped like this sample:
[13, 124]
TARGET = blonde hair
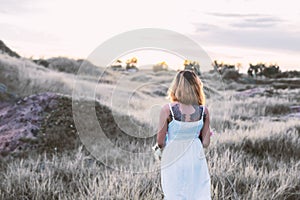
[187, 88]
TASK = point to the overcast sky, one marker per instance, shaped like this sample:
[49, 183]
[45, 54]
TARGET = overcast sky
[229, 30]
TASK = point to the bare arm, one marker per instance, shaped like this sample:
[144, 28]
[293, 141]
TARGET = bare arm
[163, 125]
[205, 132]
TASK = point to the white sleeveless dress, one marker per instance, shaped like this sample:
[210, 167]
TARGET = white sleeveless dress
[184, 171]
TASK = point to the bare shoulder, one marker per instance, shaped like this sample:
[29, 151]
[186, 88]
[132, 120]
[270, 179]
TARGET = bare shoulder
[206, 110]
[164, 112]
[165, 108]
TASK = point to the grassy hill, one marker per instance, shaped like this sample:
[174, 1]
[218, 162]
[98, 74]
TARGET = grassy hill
[254, 153]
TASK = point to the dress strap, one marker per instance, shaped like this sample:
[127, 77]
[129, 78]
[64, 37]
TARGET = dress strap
[203, 112]
[171, 110]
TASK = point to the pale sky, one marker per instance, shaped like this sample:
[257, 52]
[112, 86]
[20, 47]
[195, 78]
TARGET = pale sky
[228, 30]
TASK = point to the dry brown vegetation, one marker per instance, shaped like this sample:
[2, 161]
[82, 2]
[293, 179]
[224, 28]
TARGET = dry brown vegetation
[258, 163]
[255, 160]
[253, 155]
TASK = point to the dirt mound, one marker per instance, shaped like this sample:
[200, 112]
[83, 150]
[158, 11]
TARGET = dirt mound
[20, 122]
[44, 123]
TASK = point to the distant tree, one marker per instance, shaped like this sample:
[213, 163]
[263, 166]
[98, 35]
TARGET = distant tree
[261, 69]
[131, 64]
[162, 66]
[117, 65]
[221, 67]
[192, 65]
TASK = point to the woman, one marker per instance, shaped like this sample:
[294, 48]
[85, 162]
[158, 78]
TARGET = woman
[184, 171]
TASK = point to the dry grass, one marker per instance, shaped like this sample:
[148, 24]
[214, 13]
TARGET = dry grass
[254, 155]
[73, 176]
[23, 77]
[257, 162]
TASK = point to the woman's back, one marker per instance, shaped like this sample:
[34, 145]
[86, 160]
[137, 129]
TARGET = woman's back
[186, 121]
[184, 169]
[186, 113]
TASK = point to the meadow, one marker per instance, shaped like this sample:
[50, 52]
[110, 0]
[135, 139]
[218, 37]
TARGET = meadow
[254, 153]
[253, 162]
